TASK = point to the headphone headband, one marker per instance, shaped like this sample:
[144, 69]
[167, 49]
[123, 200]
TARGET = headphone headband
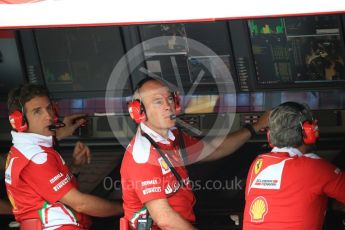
[136, 108]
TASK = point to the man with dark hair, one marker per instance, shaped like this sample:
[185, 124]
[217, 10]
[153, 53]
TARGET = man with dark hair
[41, 188]
[155, 182]
[288, 187]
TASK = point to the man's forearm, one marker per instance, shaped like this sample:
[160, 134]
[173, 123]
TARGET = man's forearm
[218, 148]
[95, 206]
[166, 217]
[174, 221]
[91, 205]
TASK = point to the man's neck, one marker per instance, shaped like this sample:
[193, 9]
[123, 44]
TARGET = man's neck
[162, 132]
[304, 149]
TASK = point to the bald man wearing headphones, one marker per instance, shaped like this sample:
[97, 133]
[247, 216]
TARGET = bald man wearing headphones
[288, 187]
[155, 183]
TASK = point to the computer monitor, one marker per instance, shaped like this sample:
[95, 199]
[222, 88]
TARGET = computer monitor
[78, 62]
[11, 71]
[298, 52]
[196, 61]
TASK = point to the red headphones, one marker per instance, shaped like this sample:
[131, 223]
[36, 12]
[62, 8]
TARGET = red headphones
[137, 111]
[309, 127]
[55, 109]
[19, 122]
[310, 132]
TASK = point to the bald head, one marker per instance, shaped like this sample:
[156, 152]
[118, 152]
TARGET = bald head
[149, 87]
[158, 103]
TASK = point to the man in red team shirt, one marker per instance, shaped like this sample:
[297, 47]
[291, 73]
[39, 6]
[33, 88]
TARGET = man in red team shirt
[288, 187]
[40, 186]
[149, 185]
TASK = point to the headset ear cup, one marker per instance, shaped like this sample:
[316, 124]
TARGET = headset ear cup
[55, 109]
[136, 111]
[310, 132]
[18, 122]
[177, 102]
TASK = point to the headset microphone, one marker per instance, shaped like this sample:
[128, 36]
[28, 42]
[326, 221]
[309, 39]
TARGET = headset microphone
[185, 125]
[56, 126]
[57, 123]
[188, 127]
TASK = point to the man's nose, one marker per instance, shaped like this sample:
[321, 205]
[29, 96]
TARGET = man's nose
[48, 115]
[167, 104]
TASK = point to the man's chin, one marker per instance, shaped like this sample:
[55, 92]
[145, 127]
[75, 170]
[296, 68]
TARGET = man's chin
[47, 132]
[167, 125]
[171, 124]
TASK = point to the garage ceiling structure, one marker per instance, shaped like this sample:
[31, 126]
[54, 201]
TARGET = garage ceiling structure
[58, 13]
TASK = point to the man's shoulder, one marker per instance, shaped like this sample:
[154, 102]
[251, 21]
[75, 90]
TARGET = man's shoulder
[315, 161]
[35, 154]
[28, 151]
[19, 161]
[311, 163]
[138, 150]
[272, 157]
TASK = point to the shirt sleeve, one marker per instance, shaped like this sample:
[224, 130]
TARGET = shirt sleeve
[44, 176]
[147, 180]
[331, 178]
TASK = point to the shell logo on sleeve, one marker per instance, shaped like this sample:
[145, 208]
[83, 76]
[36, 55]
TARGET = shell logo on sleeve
[258, 209]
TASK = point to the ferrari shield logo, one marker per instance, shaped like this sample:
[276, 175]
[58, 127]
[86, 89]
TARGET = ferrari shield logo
[257, 166]
[164, 166]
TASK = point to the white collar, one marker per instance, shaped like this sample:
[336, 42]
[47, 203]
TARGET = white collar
[292, 151]
[31, 139]
[155, 136]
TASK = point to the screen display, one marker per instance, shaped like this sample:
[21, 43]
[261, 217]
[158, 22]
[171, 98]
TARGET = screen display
[298, 51]
[11, 71]
[78, 59]
[171, 68]
[192, 63]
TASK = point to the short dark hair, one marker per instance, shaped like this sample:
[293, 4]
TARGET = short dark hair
[17, 97]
